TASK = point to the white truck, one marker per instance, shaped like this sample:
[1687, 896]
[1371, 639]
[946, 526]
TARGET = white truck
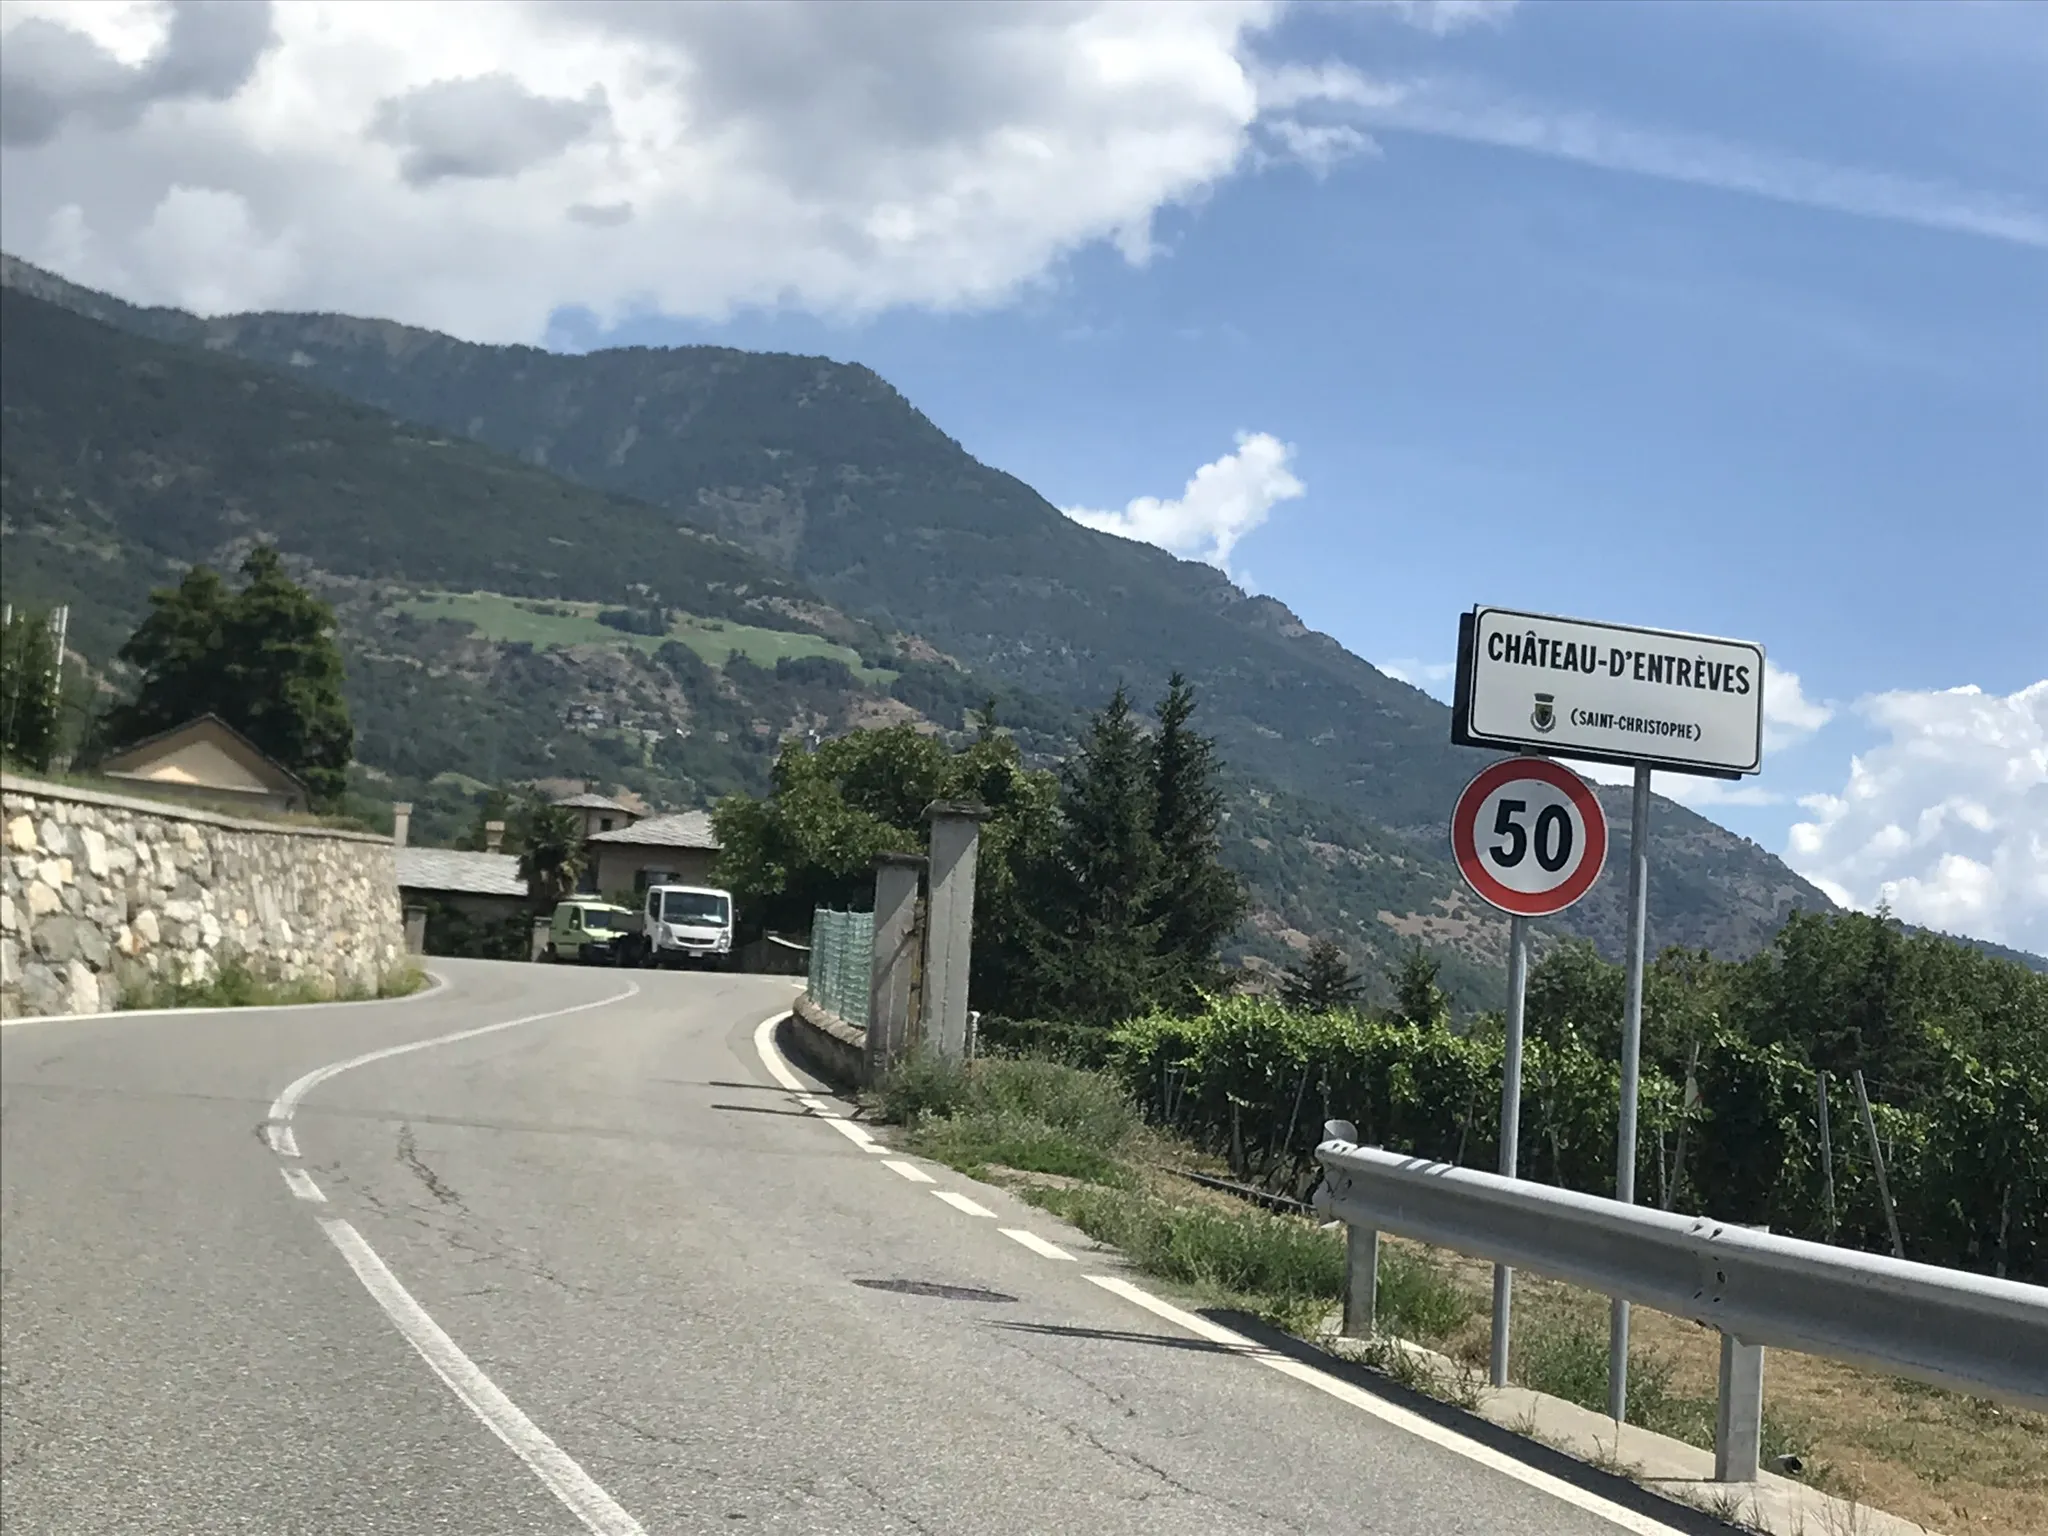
[685, 925]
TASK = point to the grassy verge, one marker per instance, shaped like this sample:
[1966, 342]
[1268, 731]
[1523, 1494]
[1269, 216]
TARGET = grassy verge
[238, 985]
[1067, 1141]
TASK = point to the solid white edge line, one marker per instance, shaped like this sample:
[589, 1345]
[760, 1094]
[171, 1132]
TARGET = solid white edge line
[771, 1057]
[779, 1068]
[960, 1202]
[282, 1142]
[910, 1171]
[1036, 1244]
[302, 1184]
[437, 980]
[567, 1481]
[1389, 1413]
[283, 1106]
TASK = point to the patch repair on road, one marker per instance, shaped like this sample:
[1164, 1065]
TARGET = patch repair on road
[934, 1289]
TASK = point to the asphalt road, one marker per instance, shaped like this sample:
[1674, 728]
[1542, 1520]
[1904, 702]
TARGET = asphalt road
[601, 1272]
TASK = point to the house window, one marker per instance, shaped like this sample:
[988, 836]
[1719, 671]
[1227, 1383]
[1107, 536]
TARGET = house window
[604, 823]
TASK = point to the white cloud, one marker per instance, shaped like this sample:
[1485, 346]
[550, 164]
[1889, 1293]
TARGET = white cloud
[1789, 716]
[1440, 18]
[1221, 503]
[1946, 820]
[474, 167]
[1460, 110]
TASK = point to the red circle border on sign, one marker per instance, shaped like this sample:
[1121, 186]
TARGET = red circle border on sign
[1465, 841]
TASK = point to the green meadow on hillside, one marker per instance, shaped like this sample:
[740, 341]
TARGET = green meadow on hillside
[545, 622]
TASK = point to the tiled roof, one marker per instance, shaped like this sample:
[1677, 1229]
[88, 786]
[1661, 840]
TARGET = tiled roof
[460, 871]
[594, 802]
[678, 829]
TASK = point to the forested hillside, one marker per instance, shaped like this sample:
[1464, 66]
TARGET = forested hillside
[779, 496]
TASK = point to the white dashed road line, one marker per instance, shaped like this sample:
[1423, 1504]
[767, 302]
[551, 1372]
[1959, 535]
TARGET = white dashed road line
[853, 1133]
[282, 1142]
[1036, 1244]
[1236, 1343]
[1390, 1413]
[302, 1184]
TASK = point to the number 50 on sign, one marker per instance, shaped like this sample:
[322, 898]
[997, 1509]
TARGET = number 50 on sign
[1529, 836]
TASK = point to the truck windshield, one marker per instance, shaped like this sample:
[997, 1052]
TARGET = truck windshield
[599, 918]
[700, 908]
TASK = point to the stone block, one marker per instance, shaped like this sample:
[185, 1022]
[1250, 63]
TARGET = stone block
[21, 834]
[93, 843]
[42, 900]
[56, 938]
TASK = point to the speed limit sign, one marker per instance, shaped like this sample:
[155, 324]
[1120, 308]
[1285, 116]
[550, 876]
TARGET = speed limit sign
[1529, 836]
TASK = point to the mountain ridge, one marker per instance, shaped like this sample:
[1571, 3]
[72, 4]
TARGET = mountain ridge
[826, 472]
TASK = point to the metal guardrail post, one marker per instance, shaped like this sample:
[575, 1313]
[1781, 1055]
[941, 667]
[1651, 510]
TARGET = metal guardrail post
[1361, 1281]
[1739, 1409]
[1739, 1416]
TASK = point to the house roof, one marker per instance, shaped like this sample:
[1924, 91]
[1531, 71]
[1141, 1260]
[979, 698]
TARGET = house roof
[678, 829]
[460, 871]
[151, 759]
[594, 802]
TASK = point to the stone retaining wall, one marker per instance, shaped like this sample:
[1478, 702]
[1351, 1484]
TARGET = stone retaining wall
[101, 893]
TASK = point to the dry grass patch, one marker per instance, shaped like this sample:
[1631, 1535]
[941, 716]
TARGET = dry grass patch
[1951, 1462]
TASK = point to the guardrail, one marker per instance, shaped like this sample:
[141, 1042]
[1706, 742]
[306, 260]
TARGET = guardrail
[1947, 1327]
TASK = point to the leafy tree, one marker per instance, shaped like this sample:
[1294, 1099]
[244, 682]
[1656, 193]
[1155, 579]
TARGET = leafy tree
[263, 659]
[28, 690]
[552, 853]
[1323, 982]
[1198, 902]
[812, 840]
[1417, 997]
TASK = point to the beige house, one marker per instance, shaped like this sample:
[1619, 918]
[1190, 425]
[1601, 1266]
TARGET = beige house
[208, 759]
[676, 849]
[599, 813]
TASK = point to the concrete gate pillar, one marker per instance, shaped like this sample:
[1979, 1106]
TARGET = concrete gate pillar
[897, 876]
[949, 924]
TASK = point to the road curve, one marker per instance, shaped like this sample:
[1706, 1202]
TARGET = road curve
[596, 1270]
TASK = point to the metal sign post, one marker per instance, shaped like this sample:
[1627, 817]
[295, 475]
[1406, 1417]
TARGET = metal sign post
[1530, 838]
[1510, 1133]
[1611, 693]
[1631, 1071]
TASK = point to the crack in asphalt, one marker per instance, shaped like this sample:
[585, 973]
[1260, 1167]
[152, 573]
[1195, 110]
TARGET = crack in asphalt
[408, 1154]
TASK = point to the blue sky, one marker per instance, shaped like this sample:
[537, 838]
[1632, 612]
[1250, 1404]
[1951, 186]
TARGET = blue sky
[1730, 318]
[1514, 377]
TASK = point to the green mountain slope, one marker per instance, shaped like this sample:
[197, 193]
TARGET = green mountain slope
[824, 472]
[468, 585]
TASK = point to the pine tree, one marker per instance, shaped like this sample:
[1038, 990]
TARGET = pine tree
[287, 676]
[1417, 997]
[1096, 939]
[28, 691]
[263, 659]
[1199, 902]
[1324, 981]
